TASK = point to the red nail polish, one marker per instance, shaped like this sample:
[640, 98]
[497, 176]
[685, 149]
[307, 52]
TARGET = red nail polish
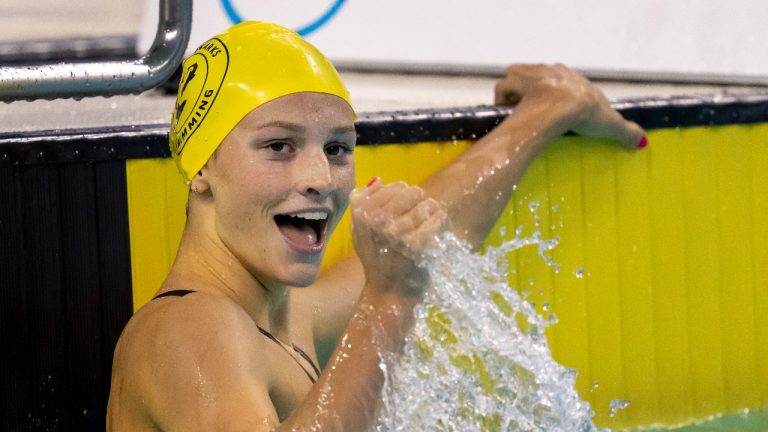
[643, 142]
[373, 180]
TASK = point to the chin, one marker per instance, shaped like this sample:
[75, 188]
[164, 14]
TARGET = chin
[303, 282]
[303, 277]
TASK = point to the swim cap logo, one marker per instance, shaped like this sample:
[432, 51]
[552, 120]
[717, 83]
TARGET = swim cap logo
[201, 80]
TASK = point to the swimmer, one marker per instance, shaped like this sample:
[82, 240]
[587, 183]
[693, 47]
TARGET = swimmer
[245, 333]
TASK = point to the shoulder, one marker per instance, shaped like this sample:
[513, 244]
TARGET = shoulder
[178, 352]
[191, 322]
[182, 331]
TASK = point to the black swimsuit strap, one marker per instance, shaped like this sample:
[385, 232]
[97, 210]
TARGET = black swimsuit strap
[173, 293]
[271, 337]
[182, 293]
[307, 358]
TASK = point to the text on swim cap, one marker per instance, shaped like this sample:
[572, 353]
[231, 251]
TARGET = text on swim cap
[202, 76]
[210, 47]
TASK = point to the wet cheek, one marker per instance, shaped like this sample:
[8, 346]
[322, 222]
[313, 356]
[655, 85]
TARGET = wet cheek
[345, 178]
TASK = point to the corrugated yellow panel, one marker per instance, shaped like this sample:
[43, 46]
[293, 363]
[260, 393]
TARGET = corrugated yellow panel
[601, 257]
[734, 195]
[635, 217]
[156, 197]
[530, 206]
[669, 393]
[756, 149]
[569, 297]
[702, 274]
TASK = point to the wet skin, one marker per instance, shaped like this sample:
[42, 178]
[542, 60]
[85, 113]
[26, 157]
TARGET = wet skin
[293, 155]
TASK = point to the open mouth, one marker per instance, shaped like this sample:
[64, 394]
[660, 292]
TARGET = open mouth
[304, 231]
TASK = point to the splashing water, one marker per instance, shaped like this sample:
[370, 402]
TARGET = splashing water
[477, 358]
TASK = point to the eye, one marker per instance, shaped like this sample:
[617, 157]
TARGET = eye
[338, 149]
[280, 147]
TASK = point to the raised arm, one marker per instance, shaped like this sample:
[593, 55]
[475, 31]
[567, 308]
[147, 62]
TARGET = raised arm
[475, 188]
[392, 224]
[549, 101]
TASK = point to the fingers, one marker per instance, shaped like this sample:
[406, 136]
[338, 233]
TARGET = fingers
[608, 123]
[579, 105]
[422, 236]
[398, 214]
[389, 200]
[628, 133]
[523, 79]
[507, 92]
[415, 217]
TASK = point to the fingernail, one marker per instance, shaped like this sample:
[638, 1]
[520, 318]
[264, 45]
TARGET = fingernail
[373, 180]
[643, 142]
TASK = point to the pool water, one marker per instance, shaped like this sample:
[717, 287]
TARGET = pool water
[753, 420]
[478, 359]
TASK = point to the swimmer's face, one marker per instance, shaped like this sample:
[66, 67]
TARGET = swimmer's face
[280, 182]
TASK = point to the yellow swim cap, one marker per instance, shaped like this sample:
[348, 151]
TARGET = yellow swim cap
[228, 76]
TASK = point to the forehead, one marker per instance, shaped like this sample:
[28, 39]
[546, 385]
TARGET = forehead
[303, 108]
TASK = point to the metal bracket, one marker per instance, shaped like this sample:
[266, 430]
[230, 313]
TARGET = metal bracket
[82, 79]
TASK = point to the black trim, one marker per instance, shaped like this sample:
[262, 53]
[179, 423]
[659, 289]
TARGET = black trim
[151, 141]
[79, 145]
[66, 290]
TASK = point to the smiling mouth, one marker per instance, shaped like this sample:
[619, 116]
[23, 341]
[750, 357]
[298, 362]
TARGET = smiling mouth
[304, 231]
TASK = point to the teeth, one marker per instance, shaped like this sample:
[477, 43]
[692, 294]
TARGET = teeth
[312, 215]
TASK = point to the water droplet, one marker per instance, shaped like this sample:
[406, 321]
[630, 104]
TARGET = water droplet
[579, 273]
[617, 405]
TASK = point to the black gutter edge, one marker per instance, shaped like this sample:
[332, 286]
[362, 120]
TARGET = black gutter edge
[374, 128]
[84, 145]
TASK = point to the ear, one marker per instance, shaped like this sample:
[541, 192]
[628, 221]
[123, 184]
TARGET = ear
[200, 183]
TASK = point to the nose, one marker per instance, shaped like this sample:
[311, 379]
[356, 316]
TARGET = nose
[315, 176]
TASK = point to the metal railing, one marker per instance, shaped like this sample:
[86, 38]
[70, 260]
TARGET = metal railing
[82, 79]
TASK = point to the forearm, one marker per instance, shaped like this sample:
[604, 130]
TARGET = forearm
[348, 392]
[476, 187]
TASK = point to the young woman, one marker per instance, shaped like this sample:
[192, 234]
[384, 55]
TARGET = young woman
[263, 131]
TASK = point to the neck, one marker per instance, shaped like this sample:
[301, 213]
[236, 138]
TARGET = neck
[205, 264]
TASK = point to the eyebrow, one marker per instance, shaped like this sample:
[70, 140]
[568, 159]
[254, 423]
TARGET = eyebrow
[294, 127]
[297, 127]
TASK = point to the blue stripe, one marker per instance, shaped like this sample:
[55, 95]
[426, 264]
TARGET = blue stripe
[231, 12]
[314, 26]
[303, 31]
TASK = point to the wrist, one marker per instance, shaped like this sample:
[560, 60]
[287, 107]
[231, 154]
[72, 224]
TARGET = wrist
[390, 312]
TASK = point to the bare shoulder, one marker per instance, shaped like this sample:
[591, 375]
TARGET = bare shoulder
[179, 362]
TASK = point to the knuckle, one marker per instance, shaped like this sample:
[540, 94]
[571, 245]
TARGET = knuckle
[417, 192]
